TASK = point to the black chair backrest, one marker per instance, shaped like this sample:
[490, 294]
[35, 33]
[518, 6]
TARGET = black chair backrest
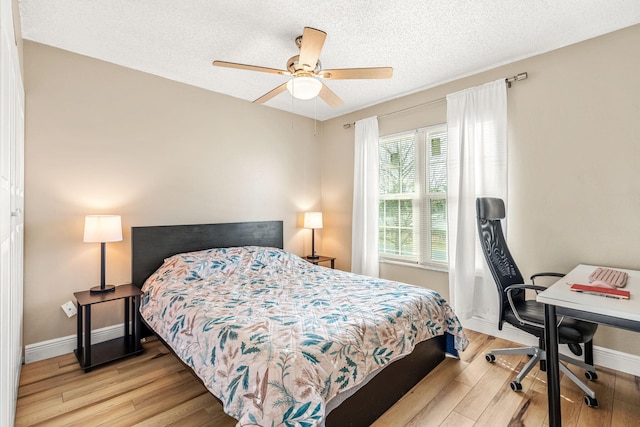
[490, 211]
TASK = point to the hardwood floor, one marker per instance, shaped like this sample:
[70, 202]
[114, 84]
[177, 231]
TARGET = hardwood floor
[155, 389]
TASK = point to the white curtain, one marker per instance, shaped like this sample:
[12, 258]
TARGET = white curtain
[364, 239]
[477, 167]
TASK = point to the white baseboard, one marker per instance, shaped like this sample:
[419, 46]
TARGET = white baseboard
[59, 346]
[605, 357]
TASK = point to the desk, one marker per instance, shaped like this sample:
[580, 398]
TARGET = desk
[560, 300]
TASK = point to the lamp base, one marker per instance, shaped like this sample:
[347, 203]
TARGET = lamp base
[312, 256]
[100, 290]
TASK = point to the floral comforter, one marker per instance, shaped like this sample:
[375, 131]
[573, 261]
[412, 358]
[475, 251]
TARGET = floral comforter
[275, 337]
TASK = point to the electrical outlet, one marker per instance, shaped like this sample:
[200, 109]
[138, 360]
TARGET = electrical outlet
[69, 309]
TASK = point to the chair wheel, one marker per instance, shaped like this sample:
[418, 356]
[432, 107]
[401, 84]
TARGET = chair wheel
[591, 375]
[591, 402]
[516, 386]
[490, 357]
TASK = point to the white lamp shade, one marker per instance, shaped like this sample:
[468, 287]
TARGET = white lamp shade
[313, 220]
[102, 228]
[304, 87]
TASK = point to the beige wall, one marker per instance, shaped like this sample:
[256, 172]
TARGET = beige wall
[574, 150]
[106, 139]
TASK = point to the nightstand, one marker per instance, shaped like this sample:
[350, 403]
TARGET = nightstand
[321, 258]
[90, 355]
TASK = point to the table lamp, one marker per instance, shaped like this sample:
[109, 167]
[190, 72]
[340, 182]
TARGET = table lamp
[102, 229]
[313, 220]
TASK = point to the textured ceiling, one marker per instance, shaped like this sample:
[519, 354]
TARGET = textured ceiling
[427, 42]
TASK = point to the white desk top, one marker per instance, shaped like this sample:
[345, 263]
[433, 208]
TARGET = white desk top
[560, 295]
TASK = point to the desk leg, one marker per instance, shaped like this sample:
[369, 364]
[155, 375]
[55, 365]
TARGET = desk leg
[553, 369]
[333, 264]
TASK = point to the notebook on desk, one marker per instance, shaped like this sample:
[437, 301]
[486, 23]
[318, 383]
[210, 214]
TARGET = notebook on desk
[601, 291]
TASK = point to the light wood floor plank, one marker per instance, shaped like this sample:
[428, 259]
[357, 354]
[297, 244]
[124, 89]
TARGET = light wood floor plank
[604, 388]
[501, 409]
[457, 420]
[54, 377]
[439, 408]
[478, 399]
[625, 414]
[177, 412]
[532, 412]
[627, 388]
[97, 417]
[44, 389]
[477, 344]
[411, 403]
[478, 366]
[105, 384]
[199, 418]
[156, 389]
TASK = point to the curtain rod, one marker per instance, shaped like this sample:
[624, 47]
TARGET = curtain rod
[508, 81]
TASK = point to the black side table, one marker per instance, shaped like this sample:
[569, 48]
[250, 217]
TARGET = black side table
[90, 355]
[321, 258]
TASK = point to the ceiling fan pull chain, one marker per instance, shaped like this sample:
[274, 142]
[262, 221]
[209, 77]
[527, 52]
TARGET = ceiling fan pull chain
[315, 116]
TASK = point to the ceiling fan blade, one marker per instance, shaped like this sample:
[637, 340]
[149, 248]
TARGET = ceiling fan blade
[312, 42]
[271, 94]
[357, 73]
[329, 97]
[250, 67]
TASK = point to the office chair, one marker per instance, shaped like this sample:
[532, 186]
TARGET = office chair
[528, 314]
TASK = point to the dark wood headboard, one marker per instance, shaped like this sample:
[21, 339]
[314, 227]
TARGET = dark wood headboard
[151, 245]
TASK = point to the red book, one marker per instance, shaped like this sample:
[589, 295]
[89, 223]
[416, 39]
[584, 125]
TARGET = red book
[602, 291]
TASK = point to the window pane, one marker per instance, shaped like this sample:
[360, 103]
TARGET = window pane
[438, 229]
[395, 224]
[437, 162]
[391, 241]
[391, 213]
[385, 180]
[407, 248]
[397, 165]
[389, 168]
[406, 213]
[407, 165]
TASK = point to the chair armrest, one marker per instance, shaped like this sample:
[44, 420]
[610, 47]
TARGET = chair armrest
[536, 288]
[546, 274]
[509, 290]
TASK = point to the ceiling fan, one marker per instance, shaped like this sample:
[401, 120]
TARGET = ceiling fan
[307, 71]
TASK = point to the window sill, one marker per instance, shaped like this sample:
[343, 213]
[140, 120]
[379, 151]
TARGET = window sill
[442, 269]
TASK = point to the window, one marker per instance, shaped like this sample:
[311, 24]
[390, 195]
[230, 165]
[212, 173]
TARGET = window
[412, 214]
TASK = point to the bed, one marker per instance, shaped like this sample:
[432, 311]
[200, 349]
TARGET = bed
[292, 383]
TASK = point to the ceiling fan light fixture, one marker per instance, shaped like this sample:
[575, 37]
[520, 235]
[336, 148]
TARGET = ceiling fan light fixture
[304, 87]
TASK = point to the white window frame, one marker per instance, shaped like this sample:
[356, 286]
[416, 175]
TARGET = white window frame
[421, 202]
